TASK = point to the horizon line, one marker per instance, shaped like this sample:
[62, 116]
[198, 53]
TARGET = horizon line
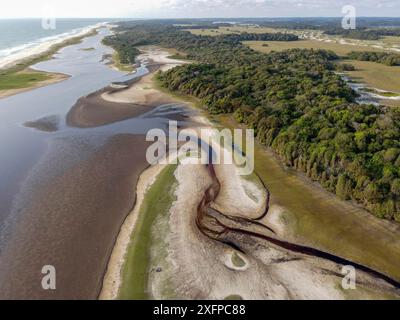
[200, 18]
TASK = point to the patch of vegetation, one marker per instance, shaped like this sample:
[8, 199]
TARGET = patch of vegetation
[178, 56]
[126, 49]
[135, 272]
[384, 93]
[363, 33]
[345, 67]
[22, 80]
[124, 67]
[237, 261]
[389, 59]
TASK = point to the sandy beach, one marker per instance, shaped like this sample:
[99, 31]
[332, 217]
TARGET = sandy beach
[33, 55]
[43, 48]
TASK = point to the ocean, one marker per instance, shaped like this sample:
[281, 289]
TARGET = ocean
[17, 35]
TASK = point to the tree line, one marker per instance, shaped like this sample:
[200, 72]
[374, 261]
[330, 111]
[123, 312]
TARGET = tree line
[363, 33]
[389, 59]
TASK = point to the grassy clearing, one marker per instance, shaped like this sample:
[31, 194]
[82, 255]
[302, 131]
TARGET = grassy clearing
[376, 75]
[135, 273]
[391, 103]
[20, 80]
[392, 40]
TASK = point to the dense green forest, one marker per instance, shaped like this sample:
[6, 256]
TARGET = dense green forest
[127, 51]
[389, 59]
[297, 105]
[261, 37]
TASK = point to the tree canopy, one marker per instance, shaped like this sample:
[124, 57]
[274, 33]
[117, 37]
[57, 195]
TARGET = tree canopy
[297, 105]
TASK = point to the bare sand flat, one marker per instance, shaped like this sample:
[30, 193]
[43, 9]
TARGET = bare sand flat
[115, 104]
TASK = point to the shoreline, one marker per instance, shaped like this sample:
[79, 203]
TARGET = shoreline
[53, 79]
[113, 275]
[143, 93]
[44, 49]
[112, 104]
[24, 62]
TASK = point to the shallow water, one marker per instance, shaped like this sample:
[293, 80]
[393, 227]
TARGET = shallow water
[20, 34]
[64, 194]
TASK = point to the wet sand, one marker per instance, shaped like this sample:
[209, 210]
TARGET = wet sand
[114, 104]
[46, 124]
[93, 111]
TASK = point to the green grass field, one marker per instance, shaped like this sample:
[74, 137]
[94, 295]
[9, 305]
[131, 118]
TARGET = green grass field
[20, 80]
[157, 201]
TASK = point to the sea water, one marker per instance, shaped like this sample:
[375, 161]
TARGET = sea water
[17, 35]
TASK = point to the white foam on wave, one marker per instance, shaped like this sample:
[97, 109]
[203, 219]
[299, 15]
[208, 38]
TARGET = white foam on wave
[11, 55]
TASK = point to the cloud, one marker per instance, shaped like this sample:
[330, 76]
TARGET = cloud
[197, 8]
[264, 8]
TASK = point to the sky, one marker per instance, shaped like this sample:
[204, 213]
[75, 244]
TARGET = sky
[194, 8]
